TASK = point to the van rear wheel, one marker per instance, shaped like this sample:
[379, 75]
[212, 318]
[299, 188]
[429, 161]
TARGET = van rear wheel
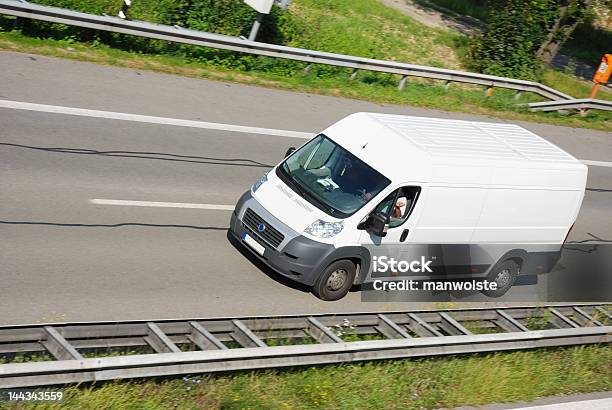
[504, 276]
[335, 281]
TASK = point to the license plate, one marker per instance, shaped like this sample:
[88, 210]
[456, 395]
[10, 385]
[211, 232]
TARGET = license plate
[253, 243]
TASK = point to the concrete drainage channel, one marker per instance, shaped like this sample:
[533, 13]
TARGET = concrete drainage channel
[84, 352]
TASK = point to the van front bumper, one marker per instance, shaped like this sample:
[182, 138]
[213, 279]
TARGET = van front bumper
[297, 257]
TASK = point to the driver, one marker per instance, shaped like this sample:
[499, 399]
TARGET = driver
[400, 207]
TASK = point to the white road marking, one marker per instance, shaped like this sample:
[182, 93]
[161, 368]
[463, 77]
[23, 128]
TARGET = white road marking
[596, 404]
[82, 112]
[56, 109]
[211, 207]
[597, 163]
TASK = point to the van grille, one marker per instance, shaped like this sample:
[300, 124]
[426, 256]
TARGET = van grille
[271, 236]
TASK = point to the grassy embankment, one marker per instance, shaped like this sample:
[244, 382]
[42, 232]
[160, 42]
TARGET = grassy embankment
[365, 28]
[402, 384]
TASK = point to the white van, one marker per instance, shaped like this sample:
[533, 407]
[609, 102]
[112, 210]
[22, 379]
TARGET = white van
[376, 185]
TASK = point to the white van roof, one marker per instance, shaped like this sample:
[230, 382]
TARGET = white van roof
[398, 145]
[472, 139]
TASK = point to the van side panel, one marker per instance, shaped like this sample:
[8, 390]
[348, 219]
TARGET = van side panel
[526, 216]
[448, 214]
[553, 178]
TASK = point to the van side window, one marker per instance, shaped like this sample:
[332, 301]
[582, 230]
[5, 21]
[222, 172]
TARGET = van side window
[384, 207]
[398, 205]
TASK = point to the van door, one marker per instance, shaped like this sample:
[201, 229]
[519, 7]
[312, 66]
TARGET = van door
[399, 206]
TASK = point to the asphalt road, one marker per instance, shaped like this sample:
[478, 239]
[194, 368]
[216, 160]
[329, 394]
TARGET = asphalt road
[64, 258]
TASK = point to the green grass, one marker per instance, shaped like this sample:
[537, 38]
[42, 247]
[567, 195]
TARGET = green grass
[539, 321]
[364, 28]
[374, 87]
[401, 384]
[368, 28]
[571, 85]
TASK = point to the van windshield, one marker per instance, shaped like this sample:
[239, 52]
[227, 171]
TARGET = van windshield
[331, 178]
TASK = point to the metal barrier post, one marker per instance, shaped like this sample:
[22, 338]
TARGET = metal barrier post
[256, 24]
[124, 9]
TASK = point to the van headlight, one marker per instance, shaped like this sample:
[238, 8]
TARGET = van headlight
[259, 183]
[324, 229]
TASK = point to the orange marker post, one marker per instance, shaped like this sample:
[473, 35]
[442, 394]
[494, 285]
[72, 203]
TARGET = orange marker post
[602, 75]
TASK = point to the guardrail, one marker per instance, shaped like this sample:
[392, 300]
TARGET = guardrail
[583, 104]
[181, 35]
[86, 352]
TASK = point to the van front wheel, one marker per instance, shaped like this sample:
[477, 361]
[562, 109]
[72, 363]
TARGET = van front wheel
[335, 281]
[504, 276]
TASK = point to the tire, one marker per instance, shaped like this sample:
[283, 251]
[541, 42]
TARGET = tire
[504, 275]
[335, 281]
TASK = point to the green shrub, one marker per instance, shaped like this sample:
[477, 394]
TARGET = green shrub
[229, 17]
[513, 34]
[517, 29]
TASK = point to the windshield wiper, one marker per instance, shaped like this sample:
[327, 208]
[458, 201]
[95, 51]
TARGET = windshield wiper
[322, 204]
[304, 193]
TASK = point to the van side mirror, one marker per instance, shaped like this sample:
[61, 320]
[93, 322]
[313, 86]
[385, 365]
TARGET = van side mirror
[377, 224]
[290, 151]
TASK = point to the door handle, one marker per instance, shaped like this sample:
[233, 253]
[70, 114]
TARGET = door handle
[404, 235]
